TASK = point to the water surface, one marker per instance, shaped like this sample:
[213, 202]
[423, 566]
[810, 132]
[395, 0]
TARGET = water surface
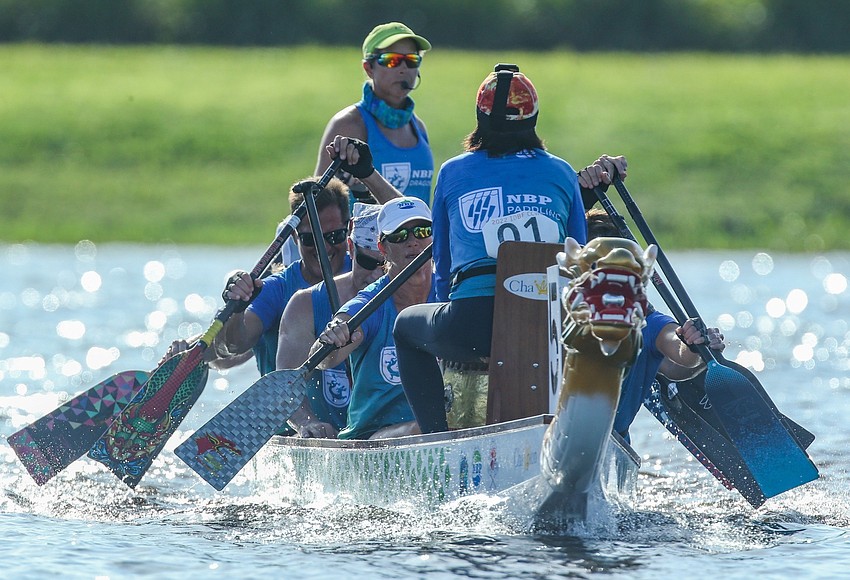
[71, 316]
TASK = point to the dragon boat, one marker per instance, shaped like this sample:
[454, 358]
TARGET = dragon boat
[537, 432]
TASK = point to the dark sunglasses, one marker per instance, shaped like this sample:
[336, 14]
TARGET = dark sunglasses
[401, 234]
[368, 262]
[333, 238]
[394, 59]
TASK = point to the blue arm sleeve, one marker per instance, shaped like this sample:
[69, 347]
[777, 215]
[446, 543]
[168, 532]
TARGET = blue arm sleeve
[577, 222]
[442, 252]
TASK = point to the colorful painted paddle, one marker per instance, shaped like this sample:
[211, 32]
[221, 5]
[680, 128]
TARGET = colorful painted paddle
[139, 434]
[772, 453]
[52, 443]
[228, 441]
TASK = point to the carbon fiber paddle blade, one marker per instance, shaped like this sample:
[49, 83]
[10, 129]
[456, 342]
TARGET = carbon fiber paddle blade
[139, 434]
[771, 453]
[228, 441]
[52, 443]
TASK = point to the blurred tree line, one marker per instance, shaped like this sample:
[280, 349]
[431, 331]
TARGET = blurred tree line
[809, 26]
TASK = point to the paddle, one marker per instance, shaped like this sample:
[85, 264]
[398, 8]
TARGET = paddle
[701, 445]
[711, 447]
[228, 441]
[50, 444]
[137, 436]
[772, 454]
[804, 437]
[319, 241]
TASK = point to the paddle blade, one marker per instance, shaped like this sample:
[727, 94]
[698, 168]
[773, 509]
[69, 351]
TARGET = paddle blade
[138, 435]
[771, 453]
[804, 437]
[681, 408]
[228, 441]
[52, 443]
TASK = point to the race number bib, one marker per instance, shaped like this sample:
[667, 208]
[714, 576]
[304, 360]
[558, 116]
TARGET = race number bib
[526, 226]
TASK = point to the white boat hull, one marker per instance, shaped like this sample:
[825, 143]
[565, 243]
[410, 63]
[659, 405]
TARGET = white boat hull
[501, 459]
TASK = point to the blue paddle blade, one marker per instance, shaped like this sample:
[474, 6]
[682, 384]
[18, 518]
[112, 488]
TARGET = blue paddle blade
[136, 437]
[772, 454]
[680, 408]
[52, 443]
[228, 441]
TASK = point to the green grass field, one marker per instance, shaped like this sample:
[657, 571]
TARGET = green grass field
[197, 145]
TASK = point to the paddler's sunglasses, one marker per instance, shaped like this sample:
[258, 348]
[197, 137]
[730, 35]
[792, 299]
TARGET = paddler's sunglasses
[367, 262]
[401, 234]
[394, 59]
[333, 238]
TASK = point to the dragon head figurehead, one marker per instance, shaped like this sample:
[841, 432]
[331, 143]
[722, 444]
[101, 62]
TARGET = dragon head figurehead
[605, 301]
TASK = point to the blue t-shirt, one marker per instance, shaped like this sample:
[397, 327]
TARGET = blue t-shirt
[480, 201]
[409, 169]
[269, 306]
[639, 379]
[377, 398]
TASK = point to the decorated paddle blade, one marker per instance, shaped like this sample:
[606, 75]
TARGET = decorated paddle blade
[228, 441]
[52, 443]
[771, 453]
[135, 438]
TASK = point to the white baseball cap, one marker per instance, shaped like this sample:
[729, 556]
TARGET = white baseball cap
[401, 210]
[364, 225]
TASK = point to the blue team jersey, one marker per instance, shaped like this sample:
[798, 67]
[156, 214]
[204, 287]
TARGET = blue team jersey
[409, 169]
[480, 201]
[269, 305]
[377, 399]
[329, 390]
[640, 376]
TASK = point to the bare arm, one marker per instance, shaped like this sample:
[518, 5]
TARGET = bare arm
[347, 122]
[295, 336]
[243, 330]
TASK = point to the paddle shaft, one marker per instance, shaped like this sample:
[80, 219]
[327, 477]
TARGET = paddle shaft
[706, 353]
[319, 241]
[157, 405]
[377, 300]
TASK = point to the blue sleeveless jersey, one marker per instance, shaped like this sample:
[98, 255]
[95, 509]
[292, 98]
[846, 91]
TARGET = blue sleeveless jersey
[480, 201]
[269, 305]
[329, 390]
[640, 376]
[409, 169]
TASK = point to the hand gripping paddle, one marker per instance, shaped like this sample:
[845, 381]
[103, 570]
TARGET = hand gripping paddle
[772, 453]
[228, 441]
[134, 440]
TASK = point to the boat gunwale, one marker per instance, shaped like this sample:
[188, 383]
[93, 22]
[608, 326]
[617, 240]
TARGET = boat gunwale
[442, 437]
[407, 440]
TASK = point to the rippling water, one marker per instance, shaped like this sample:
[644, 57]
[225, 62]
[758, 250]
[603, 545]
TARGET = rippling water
[71, 316]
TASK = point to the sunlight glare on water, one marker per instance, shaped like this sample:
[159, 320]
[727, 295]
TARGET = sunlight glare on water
[91, 281]
[60, 333]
